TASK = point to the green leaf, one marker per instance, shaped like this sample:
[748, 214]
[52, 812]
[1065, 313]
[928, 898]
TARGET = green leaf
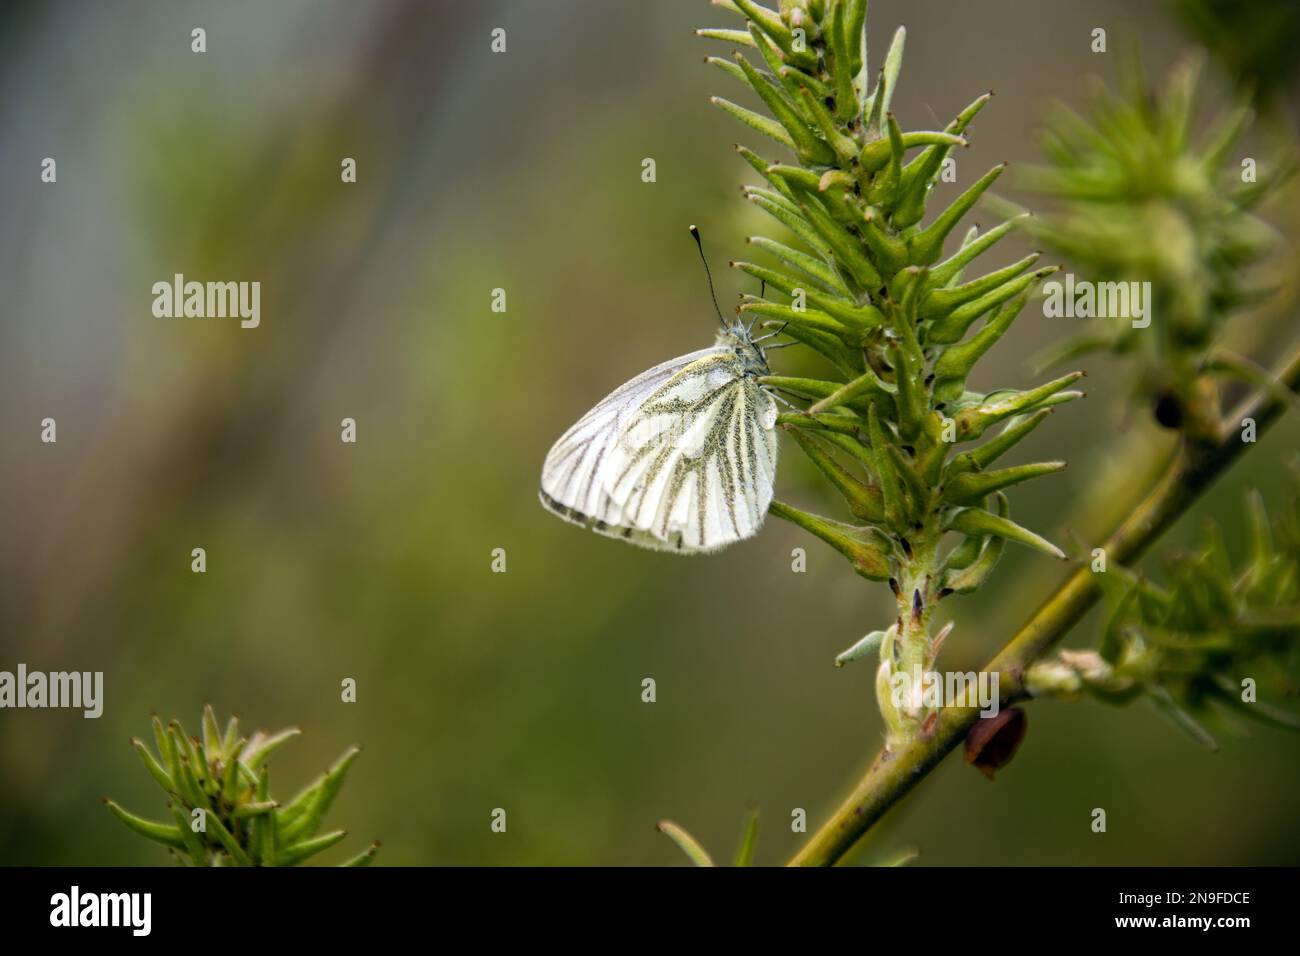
[755, 121]
[264, 823]
[807, 145]
[965, 579]
[868, 385]
[866, 647]
[972, 578]
[364, 858]
[864, 500]
[1181, 718]
[230, 742]
[815, 269]
[166, 834]
[748, 840]
[164, 742]
[304, 850]
[972, 421]
[981, 457]
[211, 733]
[813, 319]
[964, 553]
[950, 268]
[868, 556]
[741, 37]
[1229, 693]
[901, 857]
[842, 69]
[844, 148]
[977, 521]
[237, 853]
[971, 487]
[762, 167]
[920, 174]
[261, 746]
[896, 509]
[879, 102]
[305, 823]
[151, 764]
[847, 249]
[193, 845]
[889, 251]
[885, 186]
[860, 318]
[1112, 633]
[769, 21]
[911, 403]
[938, 302]
[855, 34]
[727, 66]
[846, 361]
[955, 363]
[927, 245]
[687, 843]
[1015, 292]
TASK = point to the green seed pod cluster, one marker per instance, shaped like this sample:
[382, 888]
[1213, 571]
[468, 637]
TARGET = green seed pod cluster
[1135, 195]
[1204, 641]
[874, 281]
[225, 776]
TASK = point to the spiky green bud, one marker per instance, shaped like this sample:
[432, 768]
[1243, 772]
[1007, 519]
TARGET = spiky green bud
[1205, 640]
[223, 774]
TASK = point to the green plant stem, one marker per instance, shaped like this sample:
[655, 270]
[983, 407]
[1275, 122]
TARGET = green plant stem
[893, 774]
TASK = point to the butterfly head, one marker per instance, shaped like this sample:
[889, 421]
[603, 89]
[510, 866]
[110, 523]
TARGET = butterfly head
[747, 352]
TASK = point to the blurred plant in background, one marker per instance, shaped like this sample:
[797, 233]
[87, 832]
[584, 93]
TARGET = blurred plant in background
[1135, 168]
[219, 788]
[1254, 42]
[1206, 639]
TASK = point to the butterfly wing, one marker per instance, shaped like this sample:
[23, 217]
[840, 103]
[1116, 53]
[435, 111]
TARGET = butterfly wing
[681, 458]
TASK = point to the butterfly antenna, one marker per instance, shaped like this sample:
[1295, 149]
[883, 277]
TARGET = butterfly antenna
[776, 393]
[699, 244]
[772, 335]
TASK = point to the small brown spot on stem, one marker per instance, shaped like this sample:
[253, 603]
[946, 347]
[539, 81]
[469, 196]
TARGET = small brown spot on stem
[993, 741]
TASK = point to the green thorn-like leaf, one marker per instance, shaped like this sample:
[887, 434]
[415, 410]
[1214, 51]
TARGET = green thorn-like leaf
[687, 843]
[364, 858]
[755, 121]
[1181, 718]
[163, 833]
[927, 245]
[151, 764]
[977, 521]
[305, 849]
[866, 647]
[748, 840]
[261, 746]
[868, 557]
[971, 487]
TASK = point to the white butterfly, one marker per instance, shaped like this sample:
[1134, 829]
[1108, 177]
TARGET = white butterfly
[682, 458]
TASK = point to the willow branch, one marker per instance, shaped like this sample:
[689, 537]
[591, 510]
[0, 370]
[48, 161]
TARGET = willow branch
[1192, 470]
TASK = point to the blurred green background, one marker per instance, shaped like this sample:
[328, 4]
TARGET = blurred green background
[325, 560]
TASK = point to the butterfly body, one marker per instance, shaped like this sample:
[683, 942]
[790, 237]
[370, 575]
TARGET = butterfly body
[681, 458]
